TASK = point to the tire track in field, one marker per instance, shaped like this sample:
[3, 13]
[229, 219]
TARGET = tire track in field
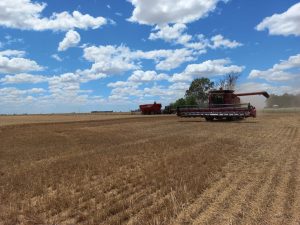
[294, 196]
[277, 210]
[119, 192]
[283, 160]
[226, 211]
[220, 209]
[221, 190]
[142, 204]
[150, 206]
[268, 196]
[189, 214]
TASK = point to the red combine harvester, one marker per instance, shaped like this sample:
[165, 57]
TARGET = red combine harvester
[222, 104]
[150, 109]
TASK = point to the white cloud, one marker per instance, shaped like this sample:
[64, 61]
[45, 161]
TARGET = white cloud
[12, 53]
[166, 59]
[171, 33]
[67, 84]
[11, 62]
[135, 87]
[120, 84]
[283, 71]
[287, 23]
[12, 92]
[147, 76]
[123, 90]
[27, 15]
[71, 39]
[159, 12]
[255, 86]
[175, 59]
[10, 40]
[175, 34]
[88, 75]
[64, 93]
[23, 78]
[57, 57]
[219, 41]
[110, 59]
[126, 91]
[116, 60]
[208, 68]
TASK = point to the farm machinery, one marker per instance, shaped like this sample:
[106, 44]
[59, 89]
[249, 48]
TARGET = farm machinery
[222, 104]
[150, 109]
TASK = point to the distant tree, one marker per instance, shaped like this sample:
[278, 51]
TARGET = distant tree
[191, 100]
[229, 81]
[199, 89]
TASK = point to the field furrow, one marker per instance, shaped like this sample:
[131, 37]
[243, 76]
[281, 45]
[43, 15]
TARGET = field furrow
[151, 170]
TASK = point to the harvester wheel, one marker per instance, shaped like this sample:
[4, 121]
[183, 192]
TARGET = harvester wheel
[229, 118]
[209, 118]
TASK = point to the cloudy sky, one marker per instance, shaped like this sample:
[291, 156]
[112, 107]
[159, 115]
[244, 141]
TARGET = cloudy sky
[83, 55]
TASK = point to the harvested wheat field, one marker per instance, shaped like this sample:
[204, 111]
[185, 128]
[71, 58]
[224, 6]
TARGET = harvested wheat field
[152, 170]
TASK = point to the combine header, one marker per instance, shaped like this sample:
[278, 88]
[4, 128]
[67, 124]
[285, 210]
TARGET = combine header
[222, 104]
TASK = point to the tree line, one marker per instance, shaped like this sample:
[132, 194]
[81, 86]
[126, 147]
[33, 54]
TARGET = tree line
[283, 101]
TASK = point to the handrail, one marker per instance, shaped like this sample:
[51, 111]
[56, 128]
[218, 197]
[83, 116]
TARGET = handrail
[215, 106]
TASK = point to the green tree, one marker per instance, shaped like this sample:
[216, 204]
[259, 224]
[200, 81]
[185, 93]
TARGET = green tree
[179, 102]
[199, 89]
[191, 100]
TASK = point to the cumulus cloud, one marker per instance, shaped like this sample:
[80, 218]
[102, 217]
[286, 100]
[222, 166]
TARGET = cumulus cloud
[176, 34]
[208, 68]
[141, 84]
[64, 90]
[12, 53]
[11, 61]
[118, 59]
[287, 23]
[71, 39]
[27, 15]
[283, 71]
[23, 78]
[120, 84]
[38, 100]
[109, 59]
[166, 59]
[219, 41]
[171, 33]
[159, 12]
[57, 57]
[147, 76]
[12, 92]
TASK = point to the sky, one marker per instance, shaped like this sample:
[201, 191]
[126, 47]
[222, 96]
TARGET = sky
[63, 56]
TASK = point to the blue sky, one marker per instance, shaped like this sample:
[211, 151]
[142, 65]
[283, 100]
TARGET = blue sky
[78, 56]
